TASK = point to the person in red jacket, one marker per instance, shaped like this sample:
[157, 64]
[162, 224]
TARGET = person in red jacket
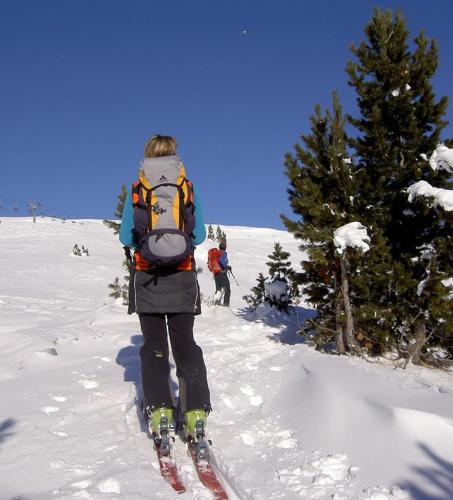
[218, 264]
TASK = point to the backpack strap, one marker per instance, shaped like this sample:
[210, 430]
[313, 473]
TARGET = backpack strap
[136, 196]
[185, 190]
[143, 202]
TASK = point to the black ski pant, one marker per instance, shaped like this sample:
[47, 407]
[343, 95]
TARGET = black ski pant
[188, 356]
[222, 282]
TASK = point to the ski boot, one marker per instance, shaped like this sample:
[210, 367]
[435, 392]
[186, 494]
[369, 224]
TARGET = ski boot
[160, 425]
[195, 433]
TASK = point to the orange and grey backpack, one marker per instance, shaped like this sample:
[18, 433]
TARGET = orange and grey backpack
[164, 217]
[213, 260]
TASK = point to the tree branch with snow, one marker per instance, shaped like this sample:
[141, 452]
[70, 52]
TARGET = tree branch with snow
[439, 197]
[442, 159]
[353, 235]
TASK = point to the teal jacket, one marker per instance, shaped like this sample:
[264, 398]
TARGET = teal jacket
[126, 234]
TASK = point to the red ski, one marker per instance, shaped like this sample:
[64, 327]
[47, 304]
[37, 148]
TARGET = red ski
[168, 469]
[207, 475]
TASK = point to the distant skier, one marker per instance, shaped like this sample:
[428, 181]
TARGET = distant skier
[219, 266]
[162, 221]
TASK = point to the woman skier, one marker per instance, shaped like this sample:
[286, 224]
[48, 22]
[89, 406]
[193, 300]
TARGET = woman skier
[162, 222]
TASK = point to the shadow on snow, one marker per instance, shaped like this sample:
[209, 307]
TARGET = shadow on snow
[129, 358]
[438, 477]
[288, 324]
[5, 428]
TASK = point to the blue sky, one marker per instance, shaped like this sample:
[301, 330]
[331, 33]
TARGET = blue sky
[84, 83]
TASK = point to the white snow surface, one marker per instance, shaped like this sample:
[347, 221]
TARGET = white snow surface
[353, 235]
[288, 422]
[442, 158]
[441, 197]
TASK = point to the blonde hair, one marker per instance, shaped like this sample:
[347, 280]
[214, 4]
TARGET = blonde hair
[160, 145]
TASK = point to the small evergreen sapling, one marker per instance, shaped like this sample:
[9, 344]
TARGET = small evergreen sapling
[118, 211]
[280, 270]
[258, 292]
[116, 288]
[211, 235]
[120, 290]
[280, 287]
[80, 251]
[279, 265]
[219, 234]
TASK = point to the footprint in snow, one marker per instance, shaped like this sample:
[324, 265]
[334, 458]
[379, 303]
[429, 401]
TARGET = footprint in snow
[256, 400]
[57, 465]
[228, 402]
[286, 440]
[253, 399]
[247, 390]
[50, 409]
[103, 358]
[325, 474]
[60, 434]
[111, 448]
[331, 469]
[248, 438]
[110, 485]
[59, 399]
[88, 384]
[81, 485]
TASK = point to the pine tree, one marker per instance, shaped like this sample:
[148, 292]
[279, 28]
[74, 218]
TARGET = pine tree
[279, 265]
[118, 211]
[76, 250]
[280, 269]
[218, 234]
[322, 194]
[116, 289]
[221, 236]
[258, 292]
[211, 235]
[400, 124]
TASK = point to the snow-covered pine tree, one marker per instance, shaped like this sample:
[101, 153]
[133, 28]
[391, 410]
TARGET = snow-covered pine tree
[280, 269]
[211, 235]
[118, 211]
[400, 124]
[322, 195]
[435, 289]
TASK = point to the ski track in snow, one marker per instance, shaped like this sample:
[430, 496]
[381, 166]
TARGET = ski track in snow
[283, 415]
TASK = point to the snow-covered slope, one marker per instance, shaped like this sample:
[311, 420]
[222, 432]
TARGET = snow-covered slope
[288, 422]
